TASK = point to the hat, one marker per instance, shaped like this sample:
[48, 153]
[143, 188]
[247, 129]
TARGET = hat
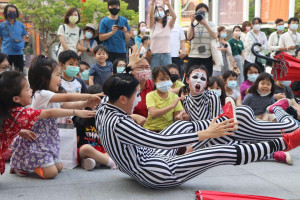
[91, 26]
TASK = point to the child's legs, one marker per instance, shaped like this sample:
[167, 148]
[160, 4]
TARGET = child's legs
[47, 172]
[88, 151]
[59, 167]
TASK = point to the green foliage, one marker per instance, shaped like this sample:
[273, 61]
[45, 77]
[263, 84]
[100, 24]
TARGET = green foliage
[297, 8]
[251, 10]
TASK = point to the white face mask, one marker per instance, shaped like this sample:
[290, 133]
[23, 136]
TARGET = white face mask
[198, 82]
[136, 100]
[143, 29]
[263, 95]
[257, 27]
[134, 33]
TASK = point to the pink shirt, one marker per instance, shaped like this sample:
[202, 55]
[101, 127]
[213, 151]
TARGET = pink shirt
[160, 38]
[244, 86]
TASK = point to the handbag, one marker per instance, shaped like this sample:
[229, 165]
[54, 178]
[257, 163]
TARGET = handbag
[17, 44]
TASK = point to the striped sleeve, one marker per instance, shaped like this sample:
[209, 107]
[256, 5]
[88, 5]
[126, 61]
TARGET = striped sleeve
[215, 106]
[131, 133]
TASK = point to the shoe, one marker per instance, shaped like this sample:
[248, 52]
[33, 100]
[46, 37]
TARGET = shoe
[283, 157]
[88, 164]
[19, 172]
[227, 111]
[292, 140]
[283, 103]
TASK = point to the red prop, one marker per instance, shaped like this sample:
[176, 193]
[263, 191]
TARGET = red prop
[287, 69]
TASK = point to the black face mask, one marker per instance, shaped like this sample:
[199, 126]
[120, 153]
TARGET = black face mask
[11, 15]
[174, 77]
[114, 11]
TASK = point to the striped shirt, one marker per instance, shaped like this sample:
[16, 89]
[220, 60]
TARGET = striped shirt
[138, 152]
[204, 106]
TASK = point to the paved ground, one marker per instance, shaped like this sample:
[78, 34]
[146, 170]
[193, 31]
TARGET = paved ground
[262, 178]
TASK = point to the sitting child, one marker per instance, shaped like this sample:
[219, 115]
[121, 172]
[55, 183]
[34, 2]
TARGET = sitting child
[175, 76]
[251, 73]
[230, 80]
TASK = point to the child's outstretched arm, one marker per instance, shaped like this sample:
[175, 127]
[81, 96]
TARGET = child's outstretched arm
[57, 112]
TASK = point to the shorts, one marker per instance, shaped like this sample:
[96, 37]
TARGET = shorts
[98, 148]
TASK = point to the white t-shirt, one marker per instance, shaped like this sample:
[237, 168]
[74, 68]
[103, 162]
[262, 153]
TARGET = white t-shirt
[235, 94]
[41, 99]
[71, 36]
[73, 86]
[177, 35]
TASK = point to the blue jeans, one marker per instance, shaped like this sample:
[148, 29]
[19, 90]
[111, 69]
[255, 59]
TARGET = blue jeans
[160, 59]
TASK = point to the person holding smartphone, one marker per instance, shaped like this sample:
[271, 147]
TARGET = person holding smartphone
[113, 31]
[201, 32]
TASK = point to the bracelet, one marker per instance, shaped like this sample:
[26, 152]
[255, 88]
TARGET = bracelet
[74, 114]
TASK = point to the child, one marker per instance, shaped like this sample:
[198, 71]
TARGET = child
[230, 80]
[184, 91]
[84, 69]
[175, 76]
[251, 73]
[42, 155]
[68, 61]
[90, 150]
[216, 85]
[260, 96]
[102, 69]
[145, 45]
[119, 66]
[163, 106]
[15, 95]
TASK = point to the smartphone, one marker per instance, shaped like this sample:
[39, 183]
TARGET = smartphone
[225, 45]
[120, 27]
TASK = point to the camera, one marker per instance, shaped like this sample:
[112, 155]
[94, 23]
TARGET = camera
[199, 15]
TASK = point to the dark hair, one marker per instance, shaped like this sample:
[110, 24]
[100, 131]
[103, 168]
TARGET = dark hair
[192, 68]
[297, 51]
[256, 18]
[94, 89]
[220, 83]
[84, 63]
[66, 55]
[69, 13]
[277, 21]
[202, 5]
[100, 47]
[61, 90]
[162, 69]
[10, 86]
[247, 68]
[120, 85]
[2, 57]
[263, 76]
[10, 6]
[115, 64]
[236, 28]
[173, 65]
[244, 25]
[295, 19]
[165, 18]
[139, 26]
[145, 38]
[40, 72]
[183, 89]
[113, 2]
[229, 73]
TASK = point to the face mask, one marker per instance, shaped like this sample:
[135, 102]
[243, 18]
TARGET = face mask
[160, 14]
[174, 77]
[248, 28]
[114, 11]
[85, 75]
[11, 15]
[280, 27]
[143, 29]
[120, 70]
[252, 77]
[198, 82]
[136, 100]
[237, 34]
[71, 71]
[143, 75]
[263, 95]
[218, 92]
[73, 19]
[134, 33]
[294, 27]
[256, 27]
[206, 16]
[164, 86]
[286, 83]
[169, 17]
[223, 35]
[88, 35]
[232, 84]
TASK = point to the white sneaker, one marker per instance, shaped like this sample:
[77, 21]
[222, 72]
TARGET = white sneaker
[88, 164]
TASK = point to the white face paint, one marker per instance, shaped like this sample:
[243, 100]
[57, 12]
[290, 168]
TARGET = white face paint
[136, 100]
[198, 82]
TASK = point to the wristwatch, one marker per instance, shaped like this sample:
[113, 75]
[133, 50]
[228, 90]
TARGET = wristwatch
[88, 49]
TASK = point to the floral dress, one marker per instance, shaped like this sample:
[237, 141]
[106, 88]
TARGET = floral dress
[23, 118]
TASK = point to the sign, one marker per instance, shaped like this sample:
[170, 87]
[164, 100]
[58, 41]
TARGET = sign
[230, 12]
[274, 9]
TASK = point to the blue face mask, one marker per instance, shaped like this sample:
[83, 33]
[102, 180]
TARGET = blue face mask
[120, 69]
[218, 92]
[294, 27]
[85, 75]
[232, 84]
[280, 27]
[160, 14]
[71, 71]
[88, 35]
[252, 77]
[164, 86]
[223, 35]
[286, 83]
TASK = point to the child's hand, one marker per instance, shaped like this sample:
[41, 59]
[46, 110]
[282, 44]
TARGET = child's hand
[85, 113]
[28, 135]
[183, 116]
[175, 102]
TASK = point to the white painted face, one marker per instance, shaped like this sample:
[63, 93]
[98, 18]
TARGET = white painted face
[136, 100]
[198, 81]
